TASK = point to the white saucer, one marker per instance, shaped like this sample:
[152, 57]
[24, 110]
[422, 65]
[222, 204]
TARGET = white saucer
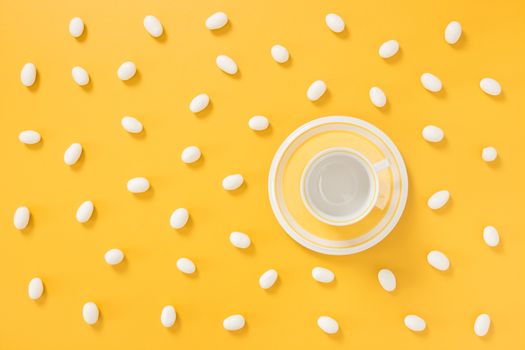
[284, 185]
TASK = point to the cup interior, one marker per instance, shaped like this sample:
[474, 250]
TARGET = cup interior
[339, 186]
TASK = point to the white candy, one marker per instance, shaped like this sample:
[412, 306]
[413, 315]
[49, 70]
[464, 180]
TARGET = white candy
[415, 323]
[491, 236]
[438, 260]
[489, 154]
[80, 76]
[438, 199]
[29, 137]
[153, 26]
[233, 322]
[179, 218]
[21, 218]
[431, 82]
[240, 240]
[28, 74]
[490, 86]
[335, 23]
[131, 125]
[377, 96]
[232, 182]
[114, 256]
[387, 280]
[190, 154]
[90, 313]
[76, 27]
[168, 316]
[258, 123]
[199, 103]
[216, 21]
[138, 185]
[226, 64]
[316, 90]
[35, 289]
[72, 154]
[323, 275]
[432, 133]
[126, 70]
[482, 325]
[280, 53]
[186, 266]
[328, 324]
[84, 211]
[453, 32]
[388, 49]
[268, 279]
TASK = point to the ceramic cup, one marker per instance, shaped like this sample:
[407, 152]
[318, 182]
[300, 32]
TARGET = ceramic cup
[340, 186]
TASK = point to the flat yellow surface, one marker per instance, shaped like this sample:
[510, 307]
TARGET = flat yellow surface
[68, 256]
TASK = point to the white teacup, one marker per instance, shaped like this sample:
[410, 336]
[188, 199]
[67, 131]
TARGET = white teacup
[340, 186]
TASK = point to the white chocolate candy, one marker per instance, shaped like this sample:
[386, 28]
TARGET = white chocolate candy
[453, 32]
[72, 154]
[233, 322]
[216, 21]
[114, 256]
[323, 275]
[432, 133]
[153, 26]
[226, 64]
[80, 76]
[489, 154]
[491, 236]
[76, 27]
[28, 74]
[328, 324]
[190, 154]
[377, 96]
[438, 199]
[387, 280]
[199, 103]
[168, 316]
[84, 212]
[258, 123]
[431, 82]
[90, 313]
[268, 279]
[438, 260]
[415, 323]
[232, 182]
[126, 70]
[29, 137]
[335, 23]
[131, 125]
[21, 218]
[35, 289]
[482, 325]
[179, 218]
[138, 185]
[280, 53]
[186, 266]
[240, 240]
[388, 49]
[490, 86]
[316, 90]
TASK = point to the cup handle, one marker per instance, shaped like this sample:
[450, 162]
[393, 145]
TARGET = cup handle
[379, 166]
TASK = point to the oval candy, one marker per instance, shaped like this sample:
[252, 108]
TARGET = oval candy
[335, 23]
[453, 32]
[377, 96]
[168, 316]
[232, 182]
[90, 313]
[438, 260]
[28, 74]
[388, 49]
[199, 103]
[29, 137]
[35, 289]
[80, 76]
[76, 27]
[190, 154]
[268, 279]
[131, 125]
[126, 70]
[490, 86]
[431, 82]
[153, 26]
[438, 199]
[186, 266]
[226, 64]
[179, 218]
[21, 218]
[114, 256]
[258, 123]
[328, 324]
[323, 275]
[138, 185]
[240, 240]
[316, 90]
[387, 280]
[84, 212]
[280, 53]
[432, 133]
[415, 323]
[482, 325]
[216, 21]
[489, 154]
[72, 154]
[491, 236]
[233, 322]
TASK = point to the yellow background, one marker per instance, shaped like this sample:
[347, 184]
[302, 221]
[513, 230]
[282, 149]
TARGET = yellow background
[68, 256]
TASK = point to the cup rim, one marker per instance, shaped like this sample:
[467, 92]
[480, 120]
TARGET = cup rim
[328, 219]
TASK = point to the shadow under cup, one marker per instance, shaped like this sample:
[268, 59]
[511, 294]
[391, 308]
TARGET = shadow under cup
[339, 186]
